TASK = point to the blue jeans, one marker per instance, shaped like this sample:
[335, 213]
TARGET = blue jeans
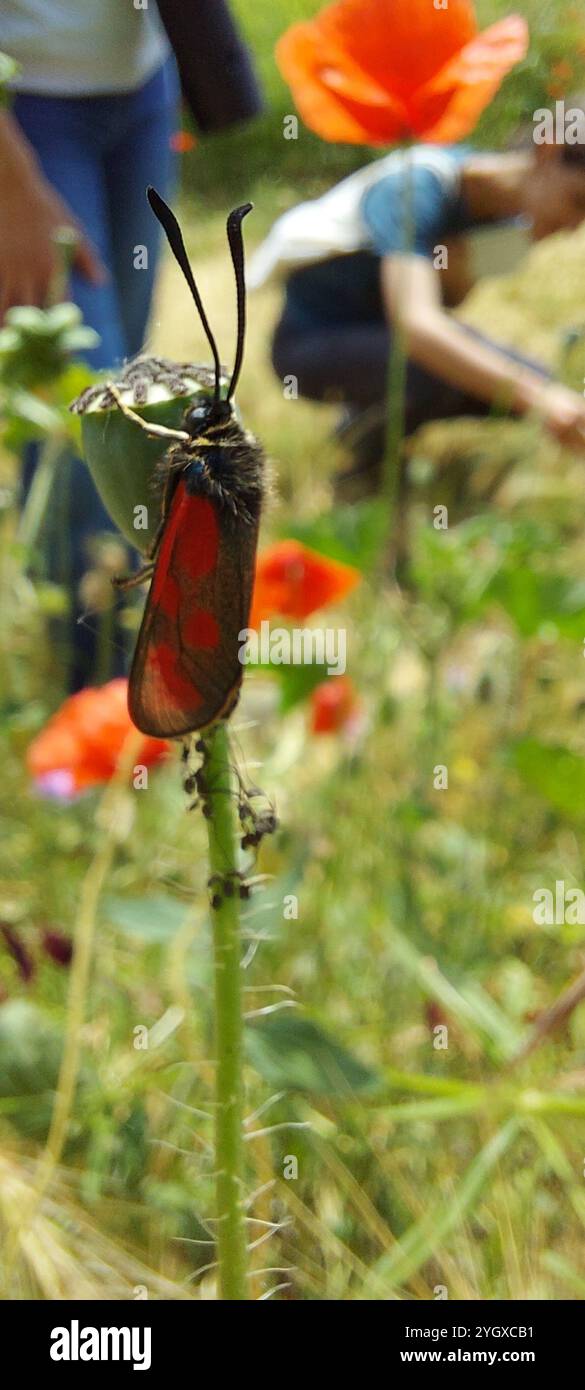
[100, 153]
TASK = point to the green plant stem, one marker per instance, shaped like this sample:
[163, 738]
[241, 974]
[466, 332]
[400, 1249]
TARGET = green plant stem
[396, 402]
[229, 1153]
[35, 508]
[92, 887]
[396, 412]
[93, 884]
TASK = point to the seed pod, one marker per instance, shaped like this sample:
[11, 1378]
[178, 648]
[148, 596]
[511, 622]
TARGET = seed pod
[121, 458]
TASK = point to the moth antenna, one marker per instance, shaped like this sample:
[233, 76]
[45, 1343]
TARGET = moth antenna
[174, 237]
[236, 244]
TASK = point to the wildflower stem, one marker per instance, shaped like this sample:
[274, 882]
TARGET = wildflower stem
[392, 480]
[35, 508]
[93, 884]
[231, 1229]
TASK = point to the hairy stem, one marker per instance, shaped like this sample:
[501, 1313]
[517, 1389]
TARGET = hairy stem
[231, 1229]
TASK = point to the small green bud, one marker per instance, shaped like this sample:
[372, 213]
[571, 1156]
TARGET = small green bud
[36, 344]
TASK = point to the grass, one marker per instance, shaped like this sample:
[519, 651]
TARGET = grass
[419, 1167]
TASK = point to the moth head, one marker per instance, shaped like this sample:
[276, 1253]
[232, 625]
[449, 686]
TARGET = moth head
[200, 417]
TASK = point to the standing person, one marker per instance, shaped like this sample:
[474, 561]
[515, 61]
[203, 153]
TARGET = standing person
[357, 268]
[95, 104]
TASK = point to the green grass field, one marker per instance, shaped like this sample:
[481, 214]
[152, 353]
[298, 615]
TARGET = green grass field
[432, 1097]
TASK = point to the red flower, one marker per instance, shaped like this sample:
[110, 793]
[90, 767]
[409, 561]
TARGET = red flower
[334, 705]
[292, 581]
[81, 745]
[377, 71]
[182, 141]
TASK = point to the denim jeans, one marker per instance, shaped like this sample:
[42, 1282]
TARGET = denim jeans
[100, 153]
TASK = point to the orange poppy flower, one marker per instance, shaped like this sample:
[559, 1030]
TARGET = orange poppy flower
[377, 71]
[334, 705]
[292, 581]
[81, 744]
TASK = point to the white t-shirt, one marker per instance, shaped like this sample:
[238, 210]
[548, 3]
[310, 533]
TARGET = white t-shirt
[82, 47]
[335, 224]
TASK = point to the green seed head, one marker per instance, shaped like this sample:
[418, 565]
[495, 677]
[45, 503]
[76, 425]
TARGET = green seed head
[120, 455]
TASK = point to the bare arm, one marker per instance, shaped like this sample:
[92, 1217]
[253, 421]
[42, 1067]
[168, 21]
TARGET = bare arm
[412, 297]
[31, 211]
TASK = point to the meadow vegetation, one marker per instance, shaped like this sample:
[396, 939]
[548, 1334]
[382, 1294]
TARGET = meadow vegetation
[422, 1071]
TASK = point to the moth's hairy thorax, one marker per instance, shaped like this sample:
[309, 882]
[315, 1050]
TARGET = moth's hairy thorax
[225, 463]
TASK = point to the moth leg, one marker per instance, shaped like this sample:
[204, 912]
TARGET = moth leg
[155, 431]
[154, 544]
[131, 581]
[167, 496]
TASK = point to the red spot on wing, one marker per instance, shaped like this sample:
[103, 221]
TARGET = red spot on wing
[190, 541]
[201, 629]
[170, 597]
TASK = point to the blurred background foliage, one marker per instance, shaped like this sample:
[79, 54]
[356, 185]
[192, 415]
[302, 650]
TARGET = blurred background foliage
[423, 1171]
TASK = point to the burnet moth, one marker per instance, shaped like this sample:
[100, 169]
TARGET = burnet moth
[186, 673]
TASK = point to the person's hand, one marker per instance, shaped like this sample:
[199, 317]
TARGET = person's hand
[563, 414]
[31, 212]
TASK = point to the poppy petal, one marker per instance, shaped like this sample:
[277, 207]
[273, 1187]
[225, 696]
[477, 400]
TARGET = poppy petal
[80, 746]
[292, 581]
[333, 704]
[376, 71]
[451, 104]
[333, 95]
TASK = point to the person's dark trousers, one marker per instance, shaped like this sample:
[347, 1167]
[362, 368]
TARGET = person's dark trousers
[100, 153]
[349, 363]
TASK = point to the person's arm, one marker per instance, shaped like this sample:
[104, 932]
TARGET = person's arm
[31, 211]
[411, 292]
[215, 65]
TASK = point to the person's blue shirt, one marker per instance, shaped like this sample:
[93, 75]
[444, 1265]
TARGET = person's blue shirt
[412, 210]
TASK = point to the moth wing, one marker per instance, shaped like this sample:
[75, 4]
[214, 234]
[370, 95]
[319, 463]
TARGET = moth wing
[186, 672]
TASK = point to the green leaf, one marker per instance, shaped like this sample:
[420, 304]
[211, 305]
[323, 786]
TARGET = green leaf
[8, 70]
[422, 1239]
[25, 406]
[533, 599]
[350, 534]
[28, 319]
[555, 772]
[442, 1108]
[64, 316]
[297, 683]
[293, 1053]
[471, 1005]
[564, 1271]
[153, 919]
[30, 1056]
[9, 340]
[78, 339]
